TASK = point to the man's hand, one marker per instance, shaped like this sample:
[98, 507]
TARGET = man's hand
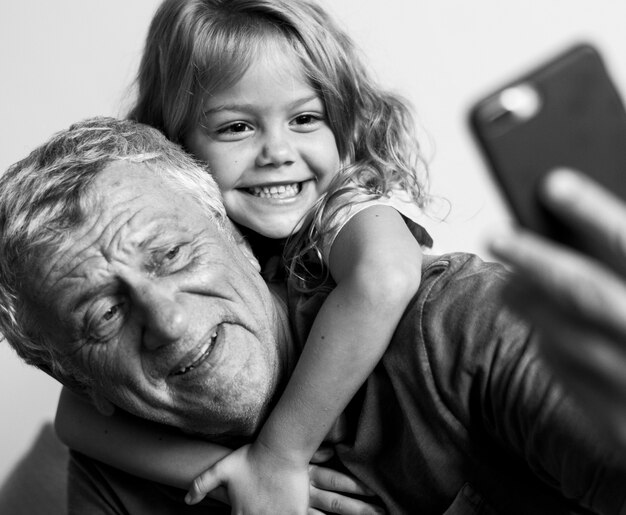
[578, 300]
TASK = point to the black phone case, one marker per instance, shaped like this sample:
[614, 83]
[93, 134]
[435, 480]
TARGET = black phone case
[580, 123]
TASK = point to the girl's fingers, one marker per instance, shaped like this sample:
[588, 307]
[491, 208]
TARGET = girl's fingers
[203, 484]
[333, 502]
[332, 480]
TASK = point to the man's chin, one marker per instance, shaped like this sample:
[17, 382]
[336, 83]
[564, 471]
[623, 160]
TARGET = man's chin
[238, 430]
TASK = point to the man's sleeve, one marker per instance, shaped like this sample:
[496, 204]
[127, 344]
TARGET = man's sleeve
[97, 489]
[494, 381]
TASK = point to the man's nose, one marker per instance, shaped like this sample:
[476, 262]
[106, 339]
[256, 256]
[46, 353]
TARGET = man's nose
[164, 319]
[276, 148]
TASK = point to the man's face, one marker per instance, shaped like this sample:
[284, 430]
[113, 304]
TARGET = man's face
[155, 304]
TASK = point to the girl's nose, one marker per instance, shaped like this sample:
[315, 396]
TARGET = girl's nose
[276, 150]
[164, 319]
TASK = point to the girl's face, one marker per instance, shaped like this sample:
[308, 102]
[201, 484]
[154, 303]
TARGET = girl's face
[268, 144]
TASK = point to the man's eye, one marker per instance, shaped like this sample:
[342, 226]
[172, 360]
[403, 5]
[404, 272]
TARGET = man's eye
[113, 312]
[172, 253]
[168, 260]
[106, 319]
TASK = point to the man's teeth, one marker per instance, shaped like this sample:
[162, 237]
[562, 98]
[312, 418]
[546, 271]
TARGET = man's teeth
[281, 191]
[206, 349]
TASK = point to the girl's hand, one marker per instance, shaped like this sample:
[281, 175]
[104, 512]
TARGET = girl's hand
[258, 482]
[331, 491]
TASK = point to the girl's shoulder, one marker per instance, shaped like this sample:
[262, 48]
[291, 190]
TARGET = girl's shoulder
[344, 207]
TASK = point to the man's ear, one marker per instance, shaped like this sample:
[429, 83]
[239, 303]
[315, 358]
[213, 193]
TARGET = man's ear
[244, 246]
[102, 404]
[247, 252]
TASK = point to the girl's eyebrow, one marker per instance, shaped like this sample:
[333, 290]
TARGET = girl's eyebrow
[251, 107]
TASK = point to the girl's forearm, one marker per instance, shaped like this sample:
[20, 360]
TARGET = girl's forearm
[137, 446]
[348, 338]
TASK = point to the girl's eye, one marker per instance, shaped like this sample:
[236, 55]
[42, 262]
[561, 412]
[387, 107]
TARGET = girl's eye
[235, 128]
[307, 122]
[306, 119]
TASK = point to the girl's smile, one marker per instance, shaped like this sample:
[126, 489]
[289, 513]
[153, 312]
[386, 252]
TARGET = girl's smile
[276, 191]
[268, 144]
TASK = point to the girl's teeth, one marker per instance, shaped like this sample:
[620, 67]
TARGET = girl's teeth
[282, 191]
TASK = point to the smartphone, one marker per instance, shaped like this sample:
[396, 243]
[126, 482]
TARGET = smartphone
[565, 113]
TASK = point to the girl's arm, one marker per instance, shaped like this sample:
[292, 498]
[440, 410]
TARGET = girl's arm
[155, 452]
[139, 447]
[376, 263]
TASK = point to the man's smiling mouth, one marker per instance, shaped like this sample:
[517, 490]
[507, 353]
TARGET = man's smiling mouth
[276, 191]
[199, 357]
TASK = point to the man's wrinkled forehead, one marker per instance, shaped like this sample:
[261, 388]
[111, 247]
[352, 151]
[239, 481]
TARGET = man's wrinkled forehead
[127, 209]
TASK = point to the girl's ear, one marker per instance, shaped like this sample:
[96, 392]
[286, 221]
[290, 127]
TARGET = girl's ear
[102, 404]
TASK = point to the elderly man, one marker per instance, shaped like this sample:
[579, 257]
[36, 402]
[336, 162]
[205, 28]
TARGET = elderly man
[121, 276]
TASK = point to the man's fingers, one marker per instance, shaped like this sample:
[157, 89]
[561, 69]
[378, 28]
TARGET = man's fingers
[577, 283]
[584, 354]
[328, 479]
[591, 363]
[590, 210]
[203, 484]
[588, 360]
[333, 502]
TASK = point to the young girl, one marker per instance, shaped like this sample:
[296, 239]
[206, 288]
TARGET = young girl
[273, 96]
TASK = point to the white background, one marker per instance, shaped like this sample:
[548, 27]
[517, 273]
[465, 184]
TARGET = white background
[69, 59]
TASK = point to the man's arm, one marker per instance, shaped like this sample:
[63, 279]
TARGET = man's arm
[523, 425]
[578, 301]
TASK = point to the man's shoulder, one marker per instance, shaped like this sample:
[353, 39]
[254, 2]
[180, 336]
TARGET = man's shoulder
[458, 317]
[458, 279]
[463, 265]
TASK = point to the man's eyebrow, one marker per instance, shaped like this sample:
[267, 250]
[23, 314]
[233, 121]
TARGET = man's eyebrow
[250, 107]
[87, 295]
